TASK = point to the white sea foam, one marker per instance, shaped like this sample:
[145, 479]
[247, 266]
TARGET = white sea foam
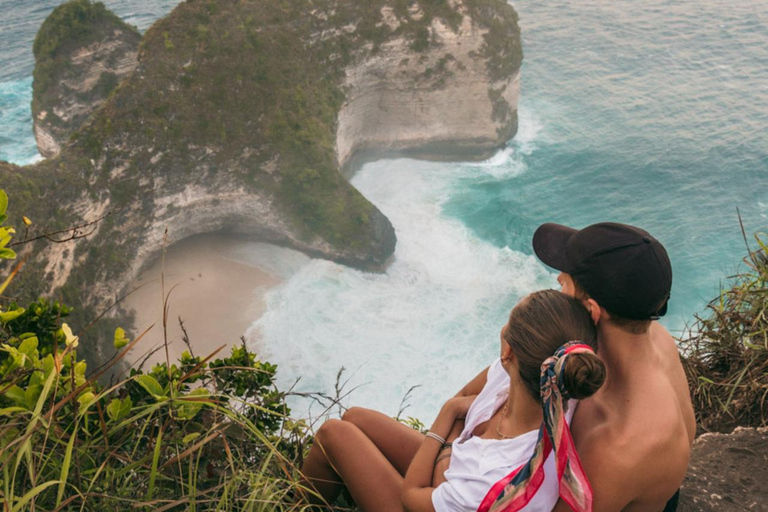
[510, 161]
[530, 130]
[432, 319]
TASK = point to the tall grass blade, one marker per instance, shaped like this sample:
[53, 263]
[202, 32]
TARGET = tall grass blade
[31, 494]
[65, 465]
[155, 462]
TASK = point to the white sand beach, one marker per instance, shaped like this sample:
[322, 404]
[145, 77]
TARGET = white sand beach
[217, 298]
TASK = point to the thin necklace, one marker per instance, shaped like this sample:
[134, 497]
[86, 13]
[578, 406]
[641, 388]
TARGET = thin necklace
[498, 424]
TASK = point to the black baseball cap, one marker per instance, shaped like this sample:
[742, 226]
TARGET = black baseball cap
[622, 267]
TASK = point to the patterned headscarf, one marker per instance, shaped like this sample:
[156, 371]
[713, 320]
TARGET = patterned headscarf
[516, 490]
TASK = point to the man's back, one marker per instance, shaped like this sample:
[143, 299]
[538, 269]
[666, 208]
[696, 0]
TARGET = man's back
[634, 435]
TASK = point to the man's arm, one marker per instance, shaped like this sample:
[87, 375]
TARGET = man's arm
[475, 386]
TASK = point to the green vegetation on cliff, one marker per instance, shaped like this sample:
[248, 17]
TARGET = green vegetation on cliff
[72, 25]
[726, 353]
[223, 81]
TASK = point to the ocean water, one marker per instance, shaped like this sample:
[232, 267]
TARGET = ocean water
[653, 113]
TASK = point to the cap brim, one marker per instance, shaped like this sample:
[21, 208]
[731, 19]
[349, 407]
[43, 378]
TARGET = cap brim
[662, 310]
[549, 243]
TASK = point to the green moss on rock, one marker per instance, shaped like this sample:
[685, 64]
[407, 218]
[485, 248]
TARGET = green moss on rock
[70, 26]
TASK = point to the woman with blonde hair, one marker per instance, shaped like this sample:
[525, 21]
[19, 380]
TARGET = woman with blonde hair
[508, 447]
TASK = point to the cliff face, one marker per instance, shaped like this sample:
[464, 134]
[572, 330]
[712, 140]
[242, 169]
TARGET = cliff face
[444, 103]
[238, 117]
[82, 52]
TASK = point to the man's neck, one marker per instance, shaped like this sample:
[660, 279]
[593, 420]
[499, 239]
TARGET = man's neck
[623, 353]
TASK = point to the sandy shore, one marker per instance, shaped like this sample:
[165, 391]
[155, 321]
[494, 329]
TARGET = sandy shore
[216, 297]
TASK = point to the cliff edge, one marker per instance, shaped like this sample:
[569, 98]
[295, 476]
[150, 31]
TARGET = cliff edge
[727, 473]
[238, 118]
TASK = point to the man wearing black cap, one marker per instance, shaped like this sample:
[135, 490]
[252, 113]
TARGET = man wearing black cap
[634, 435]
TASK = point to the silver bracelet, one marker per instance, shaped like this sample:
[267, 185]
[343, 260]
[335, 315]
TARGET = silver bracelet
[436, 437]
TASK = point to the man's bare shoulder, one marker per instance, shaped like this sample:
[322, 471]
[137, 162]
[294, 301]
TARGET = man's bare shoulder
[673, 368]
[663, 340]
[622, 462]
[603, 452]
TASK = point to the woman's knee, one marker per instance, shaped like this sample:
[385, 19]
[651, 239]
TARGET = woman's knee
[332, 433]
[356, 415]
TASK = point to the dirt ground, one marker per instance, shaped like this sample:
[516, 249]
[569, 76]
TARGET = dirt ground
[728, 473]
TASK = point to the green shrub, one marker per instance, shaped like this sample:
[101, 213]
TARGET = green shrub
[726, 352]
[198, 433]
[71, 24]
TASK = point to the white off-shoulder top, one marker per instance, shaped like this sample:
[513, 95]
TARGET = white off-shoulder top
[477, 464]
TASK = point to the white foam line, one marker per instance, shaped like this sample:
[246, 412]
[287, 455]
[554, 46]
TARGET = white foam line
[431, 319]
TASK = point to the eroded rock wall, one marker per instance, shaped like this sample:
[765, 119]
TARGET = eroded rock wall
[436, 105]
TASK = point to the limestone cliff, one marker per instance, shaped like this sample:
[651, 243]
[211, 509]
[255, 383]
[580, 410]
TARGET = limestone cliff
[444, 104]
[82, 52]
[239, 116]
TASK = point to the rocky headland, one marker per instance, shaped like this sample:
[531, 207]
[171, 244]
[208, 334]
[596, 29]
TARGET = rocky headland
[236, 117]
[82, 51]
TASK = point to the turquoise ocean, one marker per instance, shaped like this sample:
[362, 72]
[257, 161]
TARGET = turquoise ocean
[653, 113]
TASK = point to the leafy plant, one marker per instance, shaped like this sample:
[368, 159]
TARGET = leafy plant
[5, 232]
[200, 433]
[726, 352]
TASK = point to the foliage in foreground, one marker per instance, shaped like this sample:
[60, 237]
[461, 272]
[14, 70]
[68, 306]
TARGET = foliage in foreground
[726, 353]
[199, 434]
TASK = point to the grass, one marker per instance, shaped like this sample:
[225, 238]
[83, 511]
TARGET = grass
[726, 351]
[200, 433]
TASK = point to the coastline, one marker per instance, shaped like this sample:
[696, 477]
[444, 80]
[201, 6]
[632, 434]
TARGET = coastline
[216, 296]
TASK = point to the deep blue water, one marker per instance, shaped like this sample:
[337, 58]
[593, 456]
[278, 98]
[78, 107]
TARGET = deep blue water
[653, 113]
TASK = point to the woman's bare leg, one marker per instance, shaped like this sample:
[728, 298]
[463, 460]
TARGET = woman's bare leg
[396, 441]
[343, 455]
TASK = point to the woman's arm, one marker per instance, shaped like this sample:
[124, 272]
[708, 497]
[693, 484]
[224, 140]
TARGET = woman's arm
[444, 458]
[417, 488]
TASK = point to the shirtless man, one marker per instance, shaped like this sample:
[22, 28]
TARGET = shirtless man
[634, 435]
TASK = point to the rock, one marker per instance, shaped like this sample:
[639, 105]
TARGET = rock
[240, 115]
[727, 473]
[439, 105]
[82, 51]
